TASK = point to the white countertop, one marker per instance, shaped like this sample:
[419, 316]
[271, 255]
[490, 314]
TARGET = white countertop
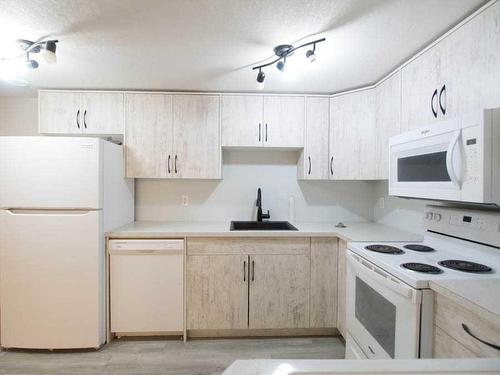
[355, 231]
[340, 366]
[480, 296]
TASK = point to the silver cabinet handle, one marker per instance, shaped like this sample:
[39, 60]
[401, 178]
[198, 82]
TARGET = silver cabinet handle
[266, 132]
[468, 331]
[441, 101]
[331, 165]
[244, 270]
[309, 172]
[78, 119]
[175, 164]
[253, 270]
[433, 100]
[85, 119]
[260, 126]
[168, 164]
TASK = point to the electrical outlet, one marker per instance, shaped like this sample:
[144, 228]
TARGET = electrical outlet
[381, 202]
[185, 200]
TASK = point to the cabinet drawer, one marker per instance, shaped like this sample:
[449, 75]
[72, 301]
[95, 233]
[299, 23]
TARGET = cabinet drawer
[249, 246]
[449, 316]
[446, 346]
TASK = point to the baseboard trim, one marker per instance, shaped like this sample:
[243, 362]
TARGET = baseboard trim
[254, 333]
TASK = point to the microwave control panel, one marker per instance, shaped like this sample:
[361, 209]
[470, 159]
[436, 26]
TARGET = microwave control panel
[471, 142]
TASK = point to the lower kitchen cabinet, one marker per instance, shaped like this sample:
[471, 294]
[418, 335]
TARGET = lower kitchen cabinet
[324, 267]
[459, 332]
[217, 291]
[261, 283]
[342, 269]
[279, 291]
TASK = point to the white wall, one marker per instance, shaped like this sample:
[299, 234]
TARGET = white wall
[397, 212]
[233, 198]
[18, 116]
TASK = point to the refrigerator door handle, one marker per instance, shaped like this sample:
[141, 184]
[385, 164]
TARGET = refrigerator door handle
[30, 211]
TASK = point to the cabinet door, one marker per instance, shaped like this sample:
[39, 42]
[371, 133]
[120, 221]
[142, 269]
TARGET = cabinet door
[323, 282]
[341, 324]
[470, 60]
[60, 112]
[284, 121]
[217, 291]
[148, 135]
[352, 136]
[388, 121]
[420, 80]
[313, 163]
[279, 291]
[197, 136]
[242, 120]
[102, 113]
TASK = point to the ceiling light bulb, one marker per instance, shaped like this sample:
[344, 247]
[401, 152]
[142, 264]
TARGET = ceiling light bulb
[311, 56]
[281, 66]
[260, 79]
[49, 52]
[31, 64]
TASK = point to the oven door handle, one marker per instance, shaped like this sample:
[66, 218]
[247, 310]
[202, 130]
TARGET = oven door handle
[449, 158]
[362, 267]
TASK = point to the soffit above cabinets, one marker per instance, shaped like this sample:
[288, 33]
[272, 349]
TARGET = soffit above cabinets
[123, 44]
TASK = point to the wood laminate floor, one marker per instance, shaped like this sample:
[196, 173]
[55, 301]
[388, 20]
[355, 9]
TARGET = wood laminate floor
[197, 357]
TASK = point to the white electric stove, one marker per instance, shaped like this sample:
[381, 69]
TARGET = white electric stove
[389, 306]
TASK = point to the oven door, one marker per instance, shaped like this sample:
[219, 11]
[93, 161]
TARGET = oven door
[382, 313]
[427, 163]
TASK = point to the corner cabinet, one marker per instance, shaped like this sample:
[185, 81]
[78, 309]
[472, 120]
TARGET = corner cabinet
[352, 136]
[313, 161]
[80, 112]
[263, 121]
[172, 136]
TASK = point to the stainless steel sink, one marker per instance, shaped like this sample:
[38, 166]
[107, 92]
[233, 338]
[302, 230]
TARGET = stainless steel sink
[261, 225]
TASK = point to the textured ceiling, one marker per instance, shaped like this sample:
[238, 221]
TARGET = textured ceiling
[208, 45]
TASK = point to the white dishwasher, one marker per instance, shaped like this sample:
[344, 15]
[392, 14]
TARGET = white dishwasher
[146, 286]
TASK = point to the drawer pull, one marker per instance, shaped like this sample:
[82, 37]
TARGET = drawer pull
[466, 329]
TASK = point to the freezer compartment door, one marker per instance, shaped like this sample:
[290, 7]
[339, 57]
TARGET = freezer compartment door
[50, 172]
[51, 279]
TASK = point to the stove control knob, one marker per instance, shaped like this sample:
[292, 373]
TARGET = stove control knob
[429, 215]
[437, 217]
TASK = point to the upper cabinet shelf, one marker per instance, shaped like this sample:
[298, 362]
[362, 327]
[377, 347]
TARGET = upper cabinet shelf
[263, 121]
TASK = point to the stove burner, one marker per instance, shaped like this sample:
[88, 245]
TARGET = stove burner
[417, 247]
[465, 266]
[385, 249]
[422, 267]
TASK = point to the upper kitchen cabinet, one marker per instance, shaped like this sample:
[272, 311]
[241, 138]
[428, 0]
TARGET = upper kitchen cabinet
[196, 134]
[352, 136]
[242, 120]
[458, 75]
[284, 121]
[75, 112]
[172, 136]
[387, 121]
[148, 136]
[313, 162]
[263, 121]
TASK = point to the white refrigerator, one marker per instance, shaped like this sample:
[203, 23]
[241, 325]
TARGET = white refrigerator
[58, 196]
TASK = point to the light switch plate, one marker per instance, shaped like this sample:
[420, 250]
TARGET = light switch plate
[185, 200]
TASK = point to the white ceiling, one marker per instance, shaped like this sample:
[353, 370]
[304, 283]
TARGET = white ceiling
[209, 45]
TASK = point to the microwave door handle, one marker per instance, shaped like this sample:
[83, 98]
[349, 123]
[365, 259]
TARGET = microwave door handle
[378, 276]
[449, 158]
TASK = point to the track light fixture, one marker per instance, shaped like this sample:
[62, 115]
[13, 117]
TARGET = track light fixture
[11, 67]
[282, 52]
[260, 79]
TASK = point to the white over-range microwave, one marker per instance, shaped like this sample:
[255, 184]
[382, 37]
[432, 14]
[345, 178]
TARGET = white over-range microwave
[453, 160]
